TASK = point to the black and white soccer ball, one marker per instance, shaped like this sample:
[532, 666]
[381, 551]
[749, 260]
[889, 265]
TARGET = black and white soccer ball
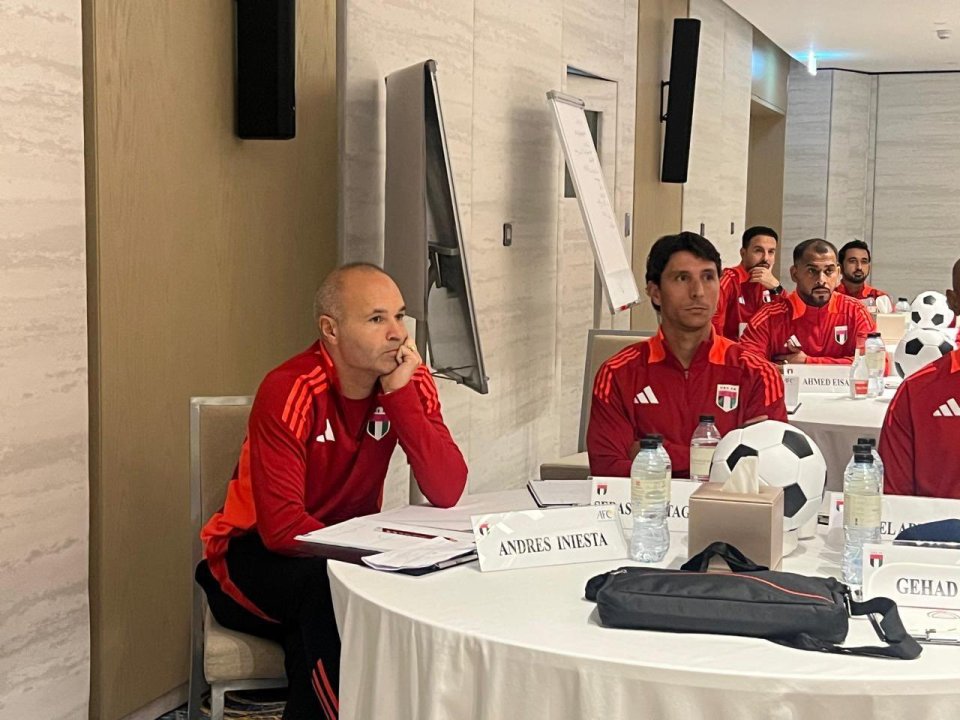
[787, 458]
[930, 310]
[920, 347]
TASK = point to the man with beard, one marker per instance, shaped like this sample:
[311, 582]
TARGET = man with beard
[855, 269]
[665, 383]
[815, 324]
[749, 286]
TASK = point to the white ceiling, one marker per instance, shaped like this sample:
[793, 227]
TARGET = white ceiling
[867, 35]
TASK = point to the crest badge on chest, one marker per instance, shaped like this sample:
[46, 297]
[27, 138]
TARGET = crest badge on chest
[728, 397]
[840, 334]
[378, 425]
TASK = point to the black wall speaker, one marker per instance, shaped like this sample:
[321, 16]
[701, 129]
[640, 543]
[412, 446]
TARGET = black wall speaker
[266, 57]
[679, 116]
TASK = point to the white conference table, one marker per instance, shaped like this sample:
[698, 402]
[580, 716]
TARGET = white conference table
[464, 645]
[834, 422]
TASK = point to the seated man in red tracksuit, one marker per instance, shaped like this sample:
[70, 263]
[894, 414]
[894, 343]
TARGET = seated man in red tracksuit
[749, 286]
[663, 385]
[855, 261]
[815, 324]
[920, 439]
[322, 429]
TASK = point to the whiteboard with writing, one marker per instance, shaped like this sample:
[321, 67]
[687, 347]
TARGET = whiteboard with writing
[584, 166]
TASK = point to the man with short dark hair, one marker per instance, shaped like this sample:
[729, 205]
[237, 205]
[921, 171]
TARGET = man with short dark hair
[918, 442]
[815, 324]
[663, 384]
[322, 429]
[749, 286]
[855, 263]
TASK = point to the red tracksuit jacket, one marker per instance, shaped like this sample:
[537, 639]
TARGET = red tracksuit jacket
[313, 457]
[644, 389]
[920, 439]
[828, 335]
[866, 291]
[739, 301]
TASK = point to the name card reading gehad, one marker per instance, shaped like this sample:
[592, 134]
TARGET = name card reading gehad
[559, 536]
[926, 577]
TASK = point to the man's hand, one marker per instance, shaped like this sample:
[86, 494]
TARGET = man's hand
[408, 360]
[794, 358]
[763, 276]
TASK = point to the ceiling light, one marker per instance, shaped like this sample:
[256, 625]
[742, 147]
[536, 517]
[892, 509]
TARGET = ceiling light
[811, 62]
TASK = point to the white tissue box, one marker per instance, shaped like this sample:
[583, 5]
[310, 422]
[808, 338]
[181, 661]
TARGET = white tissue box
[753, 523]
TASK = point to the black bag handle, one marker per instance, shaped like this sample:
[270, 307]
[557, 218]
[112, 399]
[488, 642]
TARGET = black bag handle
[890, 629]
[737, 561]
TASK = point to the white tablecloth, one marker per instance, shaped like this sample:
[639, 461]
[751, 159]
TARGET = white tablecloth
[835, 422]
[525, 644]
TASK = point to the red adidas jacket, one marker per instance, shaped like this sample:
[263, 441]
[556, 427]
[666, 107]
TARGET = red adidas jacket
[920, 439]
[313, 457]
[644, 389]
[828, 335]
[739, 301]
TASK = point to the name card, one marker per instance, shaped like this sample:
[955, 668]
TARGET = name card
[616, 491]
[913, 576]
[534, 538]
[821, 378]
[897, 513]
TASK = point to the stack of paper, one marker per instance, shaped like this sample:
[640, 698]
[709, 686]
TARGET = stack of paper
[435, 554]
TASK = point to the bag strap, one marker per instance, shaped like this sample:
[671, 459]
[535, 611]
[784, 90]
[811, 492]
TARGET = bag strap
[737, 561]
[889, 629]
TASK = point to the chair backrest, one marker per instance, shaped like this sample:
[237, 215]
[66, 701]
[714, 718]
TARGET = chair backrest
[218, 426]
[601, 345]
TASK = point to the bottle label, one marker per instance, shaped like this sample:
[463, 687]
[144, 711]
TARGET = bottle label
[648, 492]
[875, 361]
[700, 460]
[861, 510]
[860, 388]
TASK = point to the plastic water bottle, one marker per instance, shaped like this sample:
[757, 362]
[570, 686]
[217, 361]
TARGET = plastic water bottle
[871, 304]
[859, 378]
[649, 495]
[664, 455]
[903, 306]
[702, 446]
[861, 514]
[875, 356]
[861, 447]
[872, 444]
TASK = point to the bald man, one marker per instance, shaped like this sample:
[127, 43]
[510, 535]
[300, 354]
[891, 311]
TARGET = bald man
[322, 429]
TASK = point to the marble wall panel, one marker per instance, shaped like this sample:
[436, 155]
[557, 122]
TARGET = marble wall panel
[44, 612]
[806, 160]
[849, 153]
[917, 182]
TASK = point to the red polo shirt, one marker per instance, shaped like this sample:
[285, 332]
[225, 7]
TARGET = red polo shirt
[920, 439]
[828, 335]
[644, 389]
[740, 299]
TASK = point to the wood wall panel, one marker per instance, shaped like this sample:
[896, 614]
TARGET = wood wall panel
[205, 251]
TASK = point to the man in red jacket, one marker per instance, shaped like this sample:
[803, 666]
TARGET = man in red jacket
[918, 442]
[749, 286]
[322, 429]
[663, 385]
[815, 324]
[855, 264]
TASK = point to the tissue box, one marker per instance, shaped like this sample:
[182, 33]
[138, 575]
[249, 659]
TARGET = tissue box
[751, 523]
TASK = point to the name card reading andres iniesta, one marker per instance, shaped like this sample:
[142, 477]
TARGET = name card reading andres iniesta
[533, 538]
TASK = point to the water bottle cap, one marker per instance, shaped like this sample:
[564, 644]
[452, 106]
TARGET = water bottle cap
[706, 418]
[648, 444]
[655, 436]
[872, 442]
[873, 334]
[863, 458]
[904, 299]
[862, 448]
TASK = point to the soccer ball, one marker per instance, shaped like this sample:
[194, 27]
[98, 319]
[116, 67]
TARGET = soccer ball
[919, 347]
[930, 310]
[787, 458]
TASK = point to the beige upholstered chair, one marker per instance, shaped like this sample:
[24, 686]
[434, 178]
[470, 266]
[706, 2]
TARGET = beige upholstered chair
[221, 659]
[601, 345]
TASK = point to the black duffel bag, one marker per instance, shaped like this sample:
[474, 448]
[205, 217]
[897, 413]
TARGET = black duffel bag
[803, 612]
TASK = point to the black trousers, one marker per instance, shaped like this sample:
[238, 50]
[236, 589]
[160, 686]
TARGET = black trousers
[295, 592]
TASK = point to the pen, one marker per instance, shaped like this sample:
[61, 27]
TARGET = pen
[411, 533]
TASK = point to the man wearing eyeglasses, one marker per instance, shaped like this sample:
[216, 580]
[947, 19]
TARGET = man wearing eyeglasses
[815, 324]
